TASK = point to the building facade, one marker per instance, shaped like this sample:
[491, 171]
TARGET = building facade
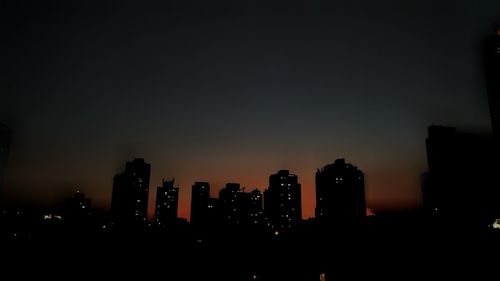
[282, 201]
[340, 193]
[460, 183]
[167, 202]
[129, 201]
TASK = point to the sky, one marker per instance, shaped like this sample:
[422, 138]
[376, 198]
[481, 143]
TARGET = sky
[233, 91]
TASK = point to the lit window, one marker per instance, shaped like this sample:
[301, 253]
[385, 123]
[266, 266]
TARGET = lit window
[496, 224]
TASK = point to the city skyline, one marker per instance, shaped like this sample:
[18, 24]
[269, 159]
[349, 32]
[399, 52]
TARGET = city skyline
[236, 95]
[250, 140]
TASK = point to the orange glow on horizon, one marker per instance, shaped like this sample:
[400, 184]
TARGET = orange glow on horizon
[386, 187]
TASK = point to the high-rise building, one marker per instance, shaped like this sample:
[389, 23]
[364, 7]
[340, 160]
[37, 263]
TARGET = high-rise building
[78, 207]
[282, 201]
[240, 207]
[340, 193]
[5, 139]
[251, 206]
[129, 201]
[167, 202]
[230, 199]
[461, 182]
[200, 203]
[492, 63]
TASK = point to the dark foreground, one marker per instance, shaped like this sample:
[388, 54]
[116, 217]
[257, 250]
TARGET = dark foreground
[380, 251]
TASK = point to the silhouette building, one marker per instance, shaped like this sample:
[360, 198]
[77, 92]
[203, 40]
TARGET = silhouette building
[78, 207]
[239, 207]
[204, 209]
[167, 202]
[460, 183]
[282, 201]
[340, 193]
[129, 201]
[230, 203]
[5, 139]
[492, 64]
[251, 208]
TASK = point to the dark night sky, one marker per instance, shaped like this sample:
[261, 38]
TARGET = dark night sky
[227, 92]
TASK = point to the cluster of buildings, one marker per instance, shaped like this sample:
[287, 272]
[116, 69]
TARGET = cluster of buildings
[460, 185]
[461, 182]
[340, 195]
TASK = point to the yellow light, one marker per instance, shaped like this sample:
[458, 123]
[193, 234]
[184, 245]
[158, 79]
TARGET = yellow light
[496, 224]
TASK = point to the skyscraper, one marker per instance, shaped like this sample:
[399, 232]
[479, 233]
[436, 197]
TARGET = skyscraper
[78, 207]
[492, 64]
[282, 201]
[240, 207]
[5, 139]
[251, 206]
[230, 202]
[200, 203]
[461, 183]
[129, 201]
[340, 193]
[167, 201]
